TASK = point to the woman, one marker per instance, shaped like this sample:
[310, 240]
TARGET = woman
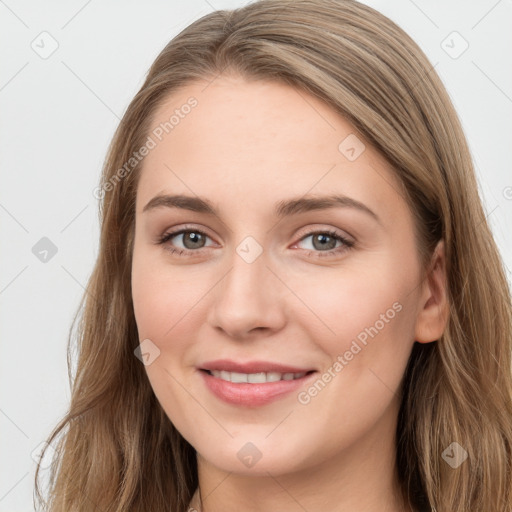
[298, 303]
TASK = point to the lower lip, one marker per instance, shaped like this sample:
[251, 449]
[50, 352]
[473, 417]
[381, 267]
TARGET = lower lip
[250, 395]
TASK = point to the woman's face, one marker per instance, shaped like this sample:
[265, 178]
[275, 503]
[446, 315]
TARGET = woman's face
[269, 281]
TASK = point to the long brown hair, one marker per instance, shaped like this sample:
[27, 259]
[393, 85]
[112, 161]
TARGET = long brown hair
[117, 450]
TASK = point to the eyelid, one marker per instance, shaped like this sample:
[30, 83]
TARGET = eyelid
[346, 244]
[172, 232]
[347, 241]
[322, 228]
[307, 231]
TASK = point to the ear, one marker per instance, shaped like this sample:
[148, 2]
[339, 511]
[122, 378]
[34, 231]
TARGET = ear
[433, 306]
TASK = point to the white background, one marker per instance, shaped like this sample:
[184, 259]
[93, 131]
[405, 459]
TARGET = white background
[57, 118]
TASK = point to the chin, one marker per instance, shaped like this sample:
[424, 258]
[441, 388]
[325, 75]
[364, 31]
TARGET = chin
[258, 458]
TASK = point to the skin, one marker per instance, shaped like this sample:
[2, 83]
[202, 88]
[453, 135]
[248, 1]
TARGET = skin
[246, 146]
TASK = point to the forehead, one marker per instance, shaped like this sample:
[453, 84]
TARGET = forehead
[251, 117]
[258, 138]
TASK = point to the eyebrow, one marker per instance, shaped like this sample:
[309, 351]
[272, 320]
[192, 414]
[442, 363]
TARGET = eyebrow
[283, 208]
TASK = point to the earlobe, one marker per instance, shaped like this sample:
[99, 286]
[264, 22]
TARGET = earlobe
[434, 307]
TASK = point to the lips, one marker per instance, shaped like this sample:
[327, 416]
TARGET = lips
[228, 365]
[253, 383]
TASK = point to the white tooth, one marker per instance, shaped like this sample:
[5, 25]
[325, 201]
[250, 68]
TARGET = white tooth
[238, 377]
[256, 378]
[273, 376]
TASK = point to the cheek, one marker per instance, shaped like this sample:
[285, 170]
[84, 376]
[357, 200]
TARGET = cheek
[366, 329]
[154, 301]
[167, 304]
[357, 305]
[166, 312]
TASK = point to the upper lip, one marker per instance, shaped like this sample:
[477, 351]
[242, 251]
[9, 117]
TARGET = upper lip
[251, 367]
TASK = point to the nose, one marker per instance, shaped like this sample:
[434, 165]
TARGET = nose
[249, 298]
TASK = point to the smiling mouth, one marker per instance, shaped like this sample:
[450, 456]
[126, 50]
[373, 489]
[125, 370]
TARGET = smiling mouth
[255, 378]
[253, 389]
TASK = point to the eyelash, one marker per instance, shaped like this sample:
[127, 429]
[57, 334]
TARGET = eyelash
[347, 244]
